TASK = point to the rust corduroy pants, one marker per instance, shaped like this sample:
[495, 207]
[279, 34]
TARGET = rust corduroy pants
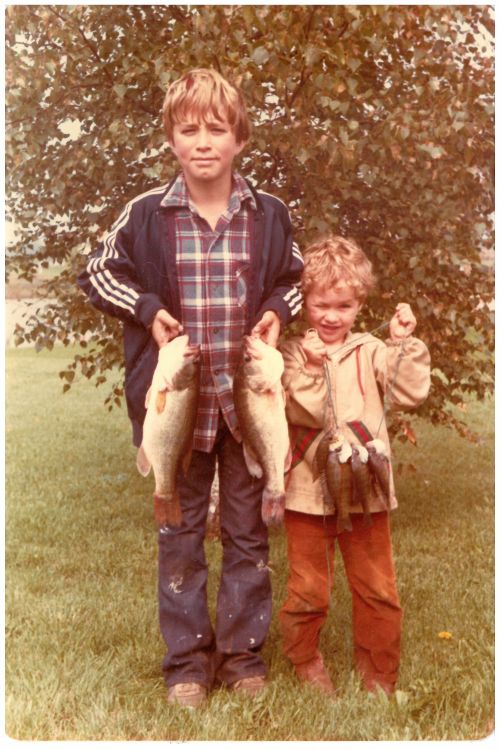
[376, 612]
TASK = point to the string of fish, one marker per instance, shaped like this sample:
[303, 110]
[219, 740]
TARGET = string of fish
[348, 463]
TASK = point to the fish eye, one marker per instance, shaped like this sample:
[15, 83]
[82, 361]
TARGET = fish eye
[247, 358]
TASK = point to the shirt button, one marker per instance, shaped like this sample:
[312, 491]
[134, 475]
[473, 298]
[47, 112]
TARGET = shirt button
[216, 330]
[216, 372]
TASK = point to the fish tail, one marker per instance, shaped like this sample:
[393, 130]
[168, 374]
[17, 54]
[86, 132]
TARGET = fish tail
[367, 519]
[273, 508]
[343, 523]
[167, 511]
[328, 500]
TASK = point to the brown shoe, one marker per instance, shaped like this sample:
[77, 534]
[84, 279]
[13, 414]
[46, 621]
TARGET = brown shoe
[250, 685]
[187, 694]
[314, 673]
[372, 685]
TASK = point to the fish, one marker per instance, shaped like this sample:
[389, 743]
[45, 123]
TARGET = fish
[171, 405]
[319, 469]
[259, 401]
[361, 481]
[339, 481]
[332, 464]
[379, 464]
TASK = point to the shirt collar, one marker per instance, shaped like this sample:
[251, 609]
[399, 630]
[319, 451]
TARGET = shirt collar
[178, 195]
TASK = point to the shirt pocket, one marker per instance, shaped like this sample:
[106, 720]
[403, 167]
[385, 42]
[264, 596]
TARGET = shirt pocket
[241, 283]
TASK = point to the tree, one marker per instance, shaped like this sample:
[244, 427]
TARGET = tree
[371, 121]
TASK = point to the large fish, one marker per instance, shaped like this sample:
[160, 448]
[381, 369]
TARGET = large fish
[259, 401]
[169, 424]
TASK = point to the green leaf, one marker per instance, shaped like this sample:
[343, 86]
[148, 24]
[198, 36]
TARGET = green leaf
[260, 56]
[120, 90]
[375, 123]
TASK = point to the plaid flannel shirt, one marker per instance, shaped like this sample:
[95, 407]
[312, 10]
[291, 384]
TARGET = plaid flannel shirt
[212, 267]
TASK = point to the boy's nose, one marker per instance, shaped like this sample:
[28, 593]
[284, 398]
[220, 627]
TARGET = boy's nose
[331, 316]
[203, 140]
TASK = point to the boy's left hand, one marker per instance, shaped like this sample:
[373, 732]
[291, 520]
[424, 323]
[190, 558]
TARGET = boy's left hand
[403, 323]
[268, 328]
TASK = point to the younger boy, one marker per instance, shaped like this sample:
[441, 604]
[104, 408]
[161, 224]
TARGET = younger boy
[210, 256]
[336, 279]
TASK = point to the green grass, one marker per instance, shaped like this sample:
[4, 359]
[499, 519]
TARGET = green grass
[83, 649]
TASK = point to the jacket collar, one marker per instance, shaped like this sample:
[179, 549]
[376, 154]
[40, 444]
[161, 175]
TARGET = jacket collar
[177, 194]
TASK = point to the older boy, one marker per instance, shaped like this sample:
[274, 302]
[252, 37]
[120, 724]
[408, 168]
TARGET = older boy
[212, 257]
[336, 279]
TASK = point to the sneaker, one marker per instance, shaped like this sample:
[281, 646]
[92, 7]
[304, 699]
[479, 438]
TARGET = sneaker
[250, 685]
[314, 673]
[187, 694]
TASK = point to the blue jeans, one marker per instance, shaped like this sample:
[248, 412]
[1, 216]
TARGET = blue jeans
[195, 652]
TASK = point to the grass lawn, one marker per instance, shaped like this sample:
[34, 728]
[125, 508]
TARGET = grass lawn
[83, 649]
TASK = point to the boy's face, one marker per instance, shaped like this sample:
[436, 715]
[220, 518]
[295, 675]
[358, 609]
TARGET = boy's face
[331, 311]
[205, 148]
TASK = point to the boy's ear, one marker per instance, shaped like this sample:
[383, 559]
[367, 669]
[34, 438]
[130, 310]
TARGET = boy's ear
[240, 147]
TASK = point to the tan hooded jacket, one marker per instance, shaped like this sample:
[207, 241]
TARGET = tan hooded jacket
[362, 371]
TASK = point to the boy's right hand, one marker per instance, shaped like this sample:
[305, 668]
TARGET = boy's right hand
[314, 350]
[164, 328]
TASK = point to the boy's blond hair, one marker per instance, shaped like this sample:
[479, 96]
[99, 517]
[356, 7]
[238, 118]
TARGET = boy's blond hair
[203, 92]
[333, 261]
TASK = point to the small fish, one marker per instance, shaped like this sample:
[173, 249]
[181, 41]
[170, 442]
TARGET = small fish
[361, 480]
[332, 466]
[319, 469]
[259, 401]
[339, 481]
[169, 424]
[379, 464]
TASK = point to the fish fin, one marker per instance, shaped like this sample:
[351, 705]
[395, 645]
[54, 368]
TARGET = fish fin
[320, 456]
[161, 398]
[343, 523]
[328, 499]
[367, 519]
[316, 470]
[148, 397]
[187, 460]
[386, 501]
[273, 508]
[253, 466]
[167, 512]
[142, 462]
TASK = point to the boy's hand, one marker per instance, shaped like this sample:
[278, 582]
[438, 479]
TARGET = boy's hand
[403, 323]
[164, 328]
[314, 350]
[268, 328]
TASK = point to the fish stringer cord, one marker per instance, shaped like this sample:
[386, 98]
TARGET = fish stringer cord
[334, 424]
[390, 386]
[361, 336]
[329, 395]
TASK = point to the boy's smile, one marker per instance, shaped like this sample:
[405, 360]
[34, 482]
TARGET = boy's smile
[331, 311]
[205, 148]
